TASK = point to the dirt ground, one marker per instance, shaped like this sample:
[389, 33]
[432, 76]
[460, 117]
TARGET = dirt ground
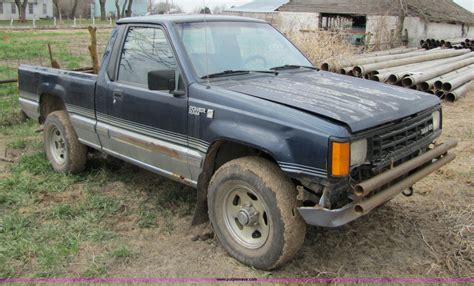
[430, 234]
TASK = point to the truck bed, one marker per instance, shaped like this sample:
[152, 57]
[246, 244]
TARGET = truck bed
[74, 88]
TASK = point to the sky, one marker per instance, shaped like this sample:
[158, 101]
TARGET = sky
[468, 4]
[190, 5]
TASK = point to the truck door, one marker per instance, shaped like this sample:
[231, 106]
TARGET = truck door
[143, 126]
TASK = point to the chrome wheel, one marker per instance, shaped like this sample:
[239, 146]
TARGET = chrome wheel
[57, 145]
[246, 217]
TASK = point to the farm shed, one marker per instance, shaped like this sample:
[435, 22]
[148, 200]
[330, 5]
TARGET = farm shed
[422, 19]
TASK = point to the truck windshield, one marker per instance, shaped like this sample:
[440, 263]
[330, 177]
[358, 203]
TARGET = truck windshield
[237, 46]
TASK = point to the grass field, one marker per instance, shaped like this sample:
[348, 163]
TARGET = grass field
[118, 220]
[55, 225]
[69, 48]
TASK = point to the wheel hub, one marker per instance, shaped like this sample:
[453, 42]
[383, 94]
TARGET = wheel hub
[57, 145]
[248, 215]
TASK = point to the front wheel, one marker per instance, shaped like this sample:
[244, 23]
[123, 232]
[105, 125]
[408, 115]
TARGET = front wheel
[252, 208]
[64, 151]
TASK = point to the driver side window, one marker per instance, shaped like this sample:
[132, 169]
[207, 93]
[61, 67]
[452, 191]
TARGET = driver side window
[146, 49]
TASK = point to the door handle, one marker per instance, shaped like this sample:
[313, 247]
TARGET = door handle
[117, 95]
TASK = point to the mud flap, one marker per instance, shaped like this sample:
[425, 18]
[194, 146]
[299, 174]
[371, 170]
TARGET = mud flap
[201, 215]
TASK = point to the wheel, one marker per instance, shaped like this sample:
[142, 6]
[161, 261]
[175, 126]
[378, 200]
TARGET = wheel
[62, 147]
[252, 209]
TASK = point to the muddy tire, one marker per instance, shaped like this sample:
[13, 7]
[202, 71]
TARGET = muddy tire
[252, 209]
[64, 152]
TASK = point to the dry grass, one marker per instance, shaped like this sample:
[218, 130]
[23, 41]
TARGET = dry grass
[320, 46]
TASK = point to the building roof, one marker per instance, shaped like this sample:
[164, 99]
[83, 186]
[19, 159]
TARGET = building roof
[259, 6]
[170, 19]
[430, 10]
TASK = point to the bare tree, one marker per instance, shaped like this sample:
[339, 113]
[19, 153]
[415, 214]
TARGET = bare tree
[129, 8]
[202, 10]
[21, 9]
[117, 7]
[57, 5]
[218, 9]
[74, 9]
[163, 8]
[126, 10]
[401, 20]
[102, 9]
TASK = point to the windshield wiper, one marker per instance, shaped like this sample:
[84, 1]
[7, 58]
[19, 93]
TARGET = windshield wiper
[290, 67]
[236, 72]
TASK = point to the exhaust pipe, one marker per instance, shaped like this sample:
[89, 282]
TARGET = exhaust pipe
[371, 203]
[363, 189]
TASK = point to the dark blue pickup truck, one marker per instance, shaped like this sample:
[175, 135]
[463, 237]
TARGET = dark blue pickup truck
[230, 107]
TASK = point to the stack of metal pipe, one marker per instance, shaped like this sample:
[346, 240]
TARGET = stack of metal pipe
[444, 72]
[458, 44]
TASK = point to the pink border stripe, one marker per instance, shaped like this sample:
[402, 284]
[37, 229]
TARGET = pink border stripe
[260, 280]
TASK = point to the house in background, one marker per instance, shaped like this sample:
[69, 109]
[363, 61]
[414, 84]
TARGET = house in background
[419, 19]
[40, 9]
[139, 8]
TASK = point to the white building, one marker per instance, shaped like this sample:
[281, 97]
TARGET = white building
[422, 19]
[40, 9]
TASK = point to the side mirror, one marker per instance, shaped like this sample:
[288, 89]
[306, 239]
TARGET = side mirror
[162, 80]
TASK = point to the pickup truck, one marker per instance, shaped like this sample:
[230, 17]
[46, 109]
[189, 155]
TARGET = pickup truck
[229, 106]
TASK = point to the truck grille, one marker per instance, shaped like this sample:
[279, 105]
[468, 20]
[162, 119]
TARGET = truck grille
[401, 140]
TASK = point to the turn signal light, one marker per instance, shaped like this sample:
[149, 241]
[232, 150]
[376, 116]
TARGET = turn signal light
[340, 159]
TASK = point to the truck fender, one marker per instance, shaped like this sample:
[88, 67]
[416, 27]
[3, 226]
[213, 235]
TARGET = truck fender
[261, 143]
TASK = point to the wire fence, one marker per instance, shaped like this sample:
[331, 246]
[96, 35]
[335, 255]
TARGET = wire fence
[69, 48]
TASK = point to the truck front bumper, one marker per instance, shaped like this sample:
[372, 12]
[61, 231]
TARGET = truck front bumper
[363, 203]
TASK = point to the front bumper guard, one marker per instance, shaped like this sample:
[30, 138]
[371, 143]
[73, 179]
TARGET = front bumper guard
[334, 218]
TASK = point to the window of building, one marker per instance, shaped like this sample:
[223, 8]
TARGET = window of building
[45, 9]
[30, 8]
[13, 5]
[1, 8]
[145, 50]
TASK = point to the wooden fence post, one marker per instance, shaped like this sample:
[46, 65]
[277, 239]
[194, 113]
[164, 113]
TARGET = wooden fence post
[54, 63]
[93, 49]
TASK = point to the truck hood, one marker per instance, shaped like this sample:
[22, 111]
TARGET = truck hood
[361, 104]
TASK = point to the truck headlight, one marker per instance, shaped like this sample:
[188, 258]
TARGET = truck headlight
[436, 120]
[358, 152]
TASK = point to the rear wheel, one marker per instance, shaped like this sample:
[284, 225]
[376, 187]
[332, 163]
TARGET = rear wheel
[252, 208]
[64, 151]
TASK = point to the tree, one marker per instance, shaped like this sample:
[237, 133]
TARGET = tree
[126, 8]
[102, 9]
[21, 9]
[129, 8]
[74, 9]
[202, 10]
[117, 7]
[164, 8]
[57, 5]
[218, 9]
